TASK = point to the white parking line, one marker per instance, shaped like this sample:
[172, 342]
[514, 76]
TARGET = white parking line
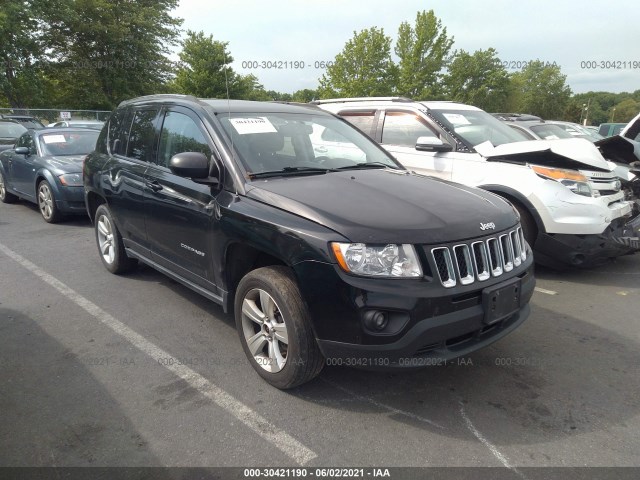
[279, 438]
[544, 290]
[492, 448]
[384, 406]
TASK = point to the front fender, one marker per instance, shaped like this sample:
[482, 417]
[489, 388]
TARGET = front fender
[45, 174]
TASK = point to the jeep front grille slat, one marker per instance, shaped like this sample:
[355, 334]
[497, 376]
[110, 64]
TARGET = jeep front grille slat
[444, 265]
[495, 256]
[480, 260]
[464, 265]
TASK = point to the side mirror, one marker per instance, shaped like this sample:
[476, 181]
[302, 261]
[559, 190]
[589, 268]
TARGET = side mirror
[432, 144]
[22, 151]
[194, 165]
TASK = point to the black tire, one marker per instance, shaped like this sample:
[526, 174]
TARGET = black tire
[528, 224]
[304, 360]
[47, 203]
[6, 197]
[110, 244]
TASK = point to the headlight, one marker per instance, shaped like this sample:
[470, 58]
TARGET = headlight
[71, 179]
[390, 260]
[573, 180]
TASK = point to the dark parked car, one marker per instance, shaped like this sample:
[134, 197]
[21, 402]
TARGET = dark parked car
[9, 133]
[26, 121]
[45, 168]
[321, 253]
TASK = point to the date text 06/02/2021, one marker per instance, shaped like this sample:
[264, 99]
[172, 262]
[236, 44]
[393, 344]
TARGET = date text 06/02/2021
[302, 472]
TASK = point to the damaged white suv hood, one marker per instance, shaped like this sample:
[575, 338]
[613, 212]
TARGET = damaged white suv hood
[572, 153]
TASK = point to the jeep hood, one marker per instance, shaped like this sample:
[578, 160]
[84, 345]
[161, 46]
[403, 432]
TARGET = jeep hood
[573, 153]
[619, 149]
[387, 206]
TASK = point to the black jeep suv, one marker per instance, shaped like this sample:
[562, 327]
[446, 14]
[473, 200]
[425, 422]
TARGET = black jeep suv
[326, 249]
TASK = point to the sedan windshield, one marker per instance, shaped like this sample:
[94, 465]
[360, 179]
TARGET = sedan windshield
[300, 144]
[476, 126]
[69, 143]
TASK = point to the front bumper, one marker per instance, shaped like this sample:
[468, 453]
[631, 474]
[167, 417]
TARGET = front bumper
[620, 238]
[71, 200]
[434, 324]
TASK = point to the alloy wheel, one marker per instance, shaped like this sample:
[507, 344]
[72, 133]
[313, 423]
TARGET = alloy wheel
[45, 200]
[265, 330]
[105, 239]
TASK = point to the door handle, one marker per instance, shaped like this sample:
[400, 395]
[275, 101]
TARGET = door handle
[155, 186]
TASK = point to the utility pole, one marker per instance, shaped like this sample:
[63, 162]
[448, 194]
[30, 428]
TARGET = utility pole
[586, 113]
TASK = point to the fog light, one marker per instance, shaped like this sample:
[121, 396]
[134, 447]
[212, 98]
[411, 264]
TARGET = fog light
[375, 320]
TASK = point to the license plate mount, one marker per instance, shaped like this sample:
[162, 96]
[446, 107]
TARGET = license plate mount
[501, 301]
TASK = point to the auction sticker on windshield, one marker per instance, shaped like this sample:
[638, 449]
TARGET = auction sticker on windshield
[251, 125]
[457, 119]
[54, 139]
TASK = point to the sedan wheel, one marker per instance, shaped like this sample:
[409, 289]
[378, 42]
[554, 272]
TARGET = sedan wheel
[5, 197]
[47, 203]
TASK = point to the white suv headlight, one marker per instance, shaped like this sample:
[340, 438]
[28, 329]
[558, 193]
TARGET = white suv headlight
[573, 180]
[390, 260]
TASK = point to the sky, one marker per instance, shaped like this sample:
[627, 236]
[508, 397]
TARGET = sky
[604, 34]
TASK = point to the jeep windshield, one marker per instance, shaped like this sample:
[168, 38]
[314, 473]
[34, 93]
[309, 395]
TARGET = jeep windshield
[291, 144]
[474, 127]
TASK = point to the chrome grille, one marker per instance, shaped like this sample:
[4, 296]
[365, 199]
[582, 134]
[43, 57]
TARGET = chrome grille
[480, 260]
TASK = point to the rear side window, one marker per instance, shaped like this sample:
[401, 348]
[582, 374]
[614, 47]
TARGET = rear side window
[180, 133]
[115, 130]
[142, 135]
[404, 129]
[362, 120]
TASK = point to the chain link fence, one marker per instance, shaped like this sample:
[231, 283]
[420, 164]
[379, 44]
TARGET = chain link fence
[52, 115]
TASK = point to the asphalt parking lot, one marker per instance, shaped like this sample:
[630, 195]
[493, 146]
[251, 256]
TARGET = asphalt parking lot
[101, 370]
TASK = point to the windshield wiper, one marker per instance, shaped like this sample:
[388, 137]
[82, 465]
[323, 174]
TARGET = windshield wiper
[368, 165]
[292, 171]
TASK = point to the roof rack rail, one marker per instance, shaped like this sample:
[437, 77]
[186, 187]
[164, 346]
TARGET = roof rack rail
[159, 96]
[360, 99]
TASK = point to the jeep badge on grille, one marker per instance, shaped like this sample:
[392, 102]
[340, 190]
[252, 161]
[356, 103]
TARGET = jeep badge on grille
[487, 226]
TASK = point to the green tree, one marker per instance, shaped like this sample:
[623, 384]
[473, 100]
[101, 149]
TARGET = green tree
[364, 67]
[305, 95]
[279, 96]
[22, 53]
[204, 71]
[624, 111]
[539, 89]
[109, 50]
[478, 79]
[423, 51]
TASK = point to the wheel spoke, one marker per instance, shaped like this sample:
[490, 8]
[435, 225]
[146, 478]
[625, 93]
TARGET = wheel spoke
[267, 304]
[256, 343]
[105, 248]
[275, 356]
[102, 228]
[280, 331]
[252, 312]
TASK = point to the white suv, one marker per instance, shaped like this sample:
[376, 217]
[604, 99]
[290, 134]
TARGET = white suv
[563, 219]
